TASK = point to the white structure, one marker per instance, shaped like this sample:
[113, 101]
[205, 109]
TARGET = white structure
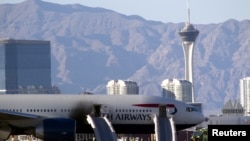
[245, 94]
[122, 87]
[177, 89]
[232, 114]
[188, 35]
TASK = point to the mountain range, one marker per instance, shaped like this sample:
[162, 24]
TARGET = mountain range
[90, 46]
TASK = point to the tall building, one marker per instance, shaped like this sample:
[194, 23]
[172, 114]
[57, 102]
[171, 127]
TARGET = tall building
[122, 87]
[25, 66]
[177, 89]
[188, 35]
[245, 95]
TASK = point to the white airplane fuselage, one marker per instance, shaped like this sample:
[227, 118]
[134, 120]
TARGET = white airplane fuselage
[124, 111]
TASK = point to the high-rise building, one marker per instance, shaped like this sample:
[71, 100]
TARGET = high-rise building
[177, 89]
[25, 66]
[188, 35]
[245, 95]
[122, 87]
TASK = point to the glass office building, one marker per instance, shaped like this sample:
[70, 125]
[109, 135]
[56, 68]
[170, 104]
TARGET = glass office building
[25, 66]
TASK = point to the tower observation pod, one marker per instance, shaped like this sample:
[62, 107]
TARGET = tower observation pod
[188, 35]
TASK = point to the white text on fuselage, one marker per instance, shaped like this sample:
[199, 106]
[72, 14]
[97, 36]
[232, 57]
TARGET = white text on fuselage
[126, 116]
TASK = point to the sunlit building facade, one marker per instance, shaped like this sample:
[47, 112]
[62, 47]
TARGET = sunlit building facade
[25, 66]
[177, 89]
[245, 94]
[122, 87]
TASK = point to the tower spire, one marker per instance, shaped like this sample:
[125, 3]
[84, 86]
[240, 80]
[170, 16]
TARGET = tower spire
[188, 8]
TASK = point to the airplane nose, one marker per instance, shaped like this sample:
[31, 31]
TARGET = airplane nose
[200, 118]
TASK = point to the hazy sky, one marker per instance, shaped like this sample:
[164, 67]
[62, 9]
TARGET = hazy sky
[202, 11]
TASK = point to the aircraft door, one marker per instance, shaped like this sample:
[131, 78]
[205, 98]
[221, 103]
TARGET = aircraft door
[171, 110]
[162, 111]
[167, 110]
[97, 110]
[101, 110]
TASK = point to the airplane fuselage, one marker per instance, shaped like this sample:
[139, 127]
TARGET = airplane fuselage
[124, 111]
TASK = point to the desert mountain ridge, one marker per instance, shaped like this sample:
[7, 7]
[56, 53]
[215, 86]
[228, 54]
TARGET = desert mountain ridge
[90, 46]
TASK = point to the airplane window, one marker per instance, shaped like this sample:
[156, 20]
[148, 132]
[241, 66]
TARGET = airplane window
[20, 110]
[190, 109]
[27, 110]
[54, 110]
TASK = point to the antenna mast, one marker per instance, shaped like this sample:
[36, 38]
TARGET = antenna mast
[188, 8]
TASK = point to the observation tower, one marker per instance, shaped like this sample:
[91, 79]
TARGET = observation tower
[188, 35]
